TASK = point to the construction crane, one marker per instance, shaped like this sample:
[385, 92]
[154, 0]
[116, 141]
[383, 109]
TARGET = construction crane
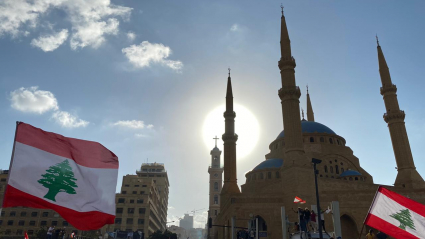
[195, 210]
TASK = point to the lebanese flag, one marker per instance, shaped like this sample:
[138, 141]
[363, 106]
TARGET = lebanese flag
[396, 215]
[298, 200]
[26, 235]
[76, 178]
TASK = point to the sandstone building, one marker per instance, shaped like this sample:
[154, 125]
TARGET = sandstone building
[216, 181]
[288, 172]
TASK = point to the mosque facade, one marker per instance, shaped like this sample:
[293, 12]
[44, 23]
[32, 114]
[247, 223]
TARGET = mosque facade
[288, 172]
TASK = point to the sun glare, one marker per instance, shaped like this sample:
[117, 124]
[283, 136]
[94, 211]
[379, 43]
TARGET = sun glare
[246, 127]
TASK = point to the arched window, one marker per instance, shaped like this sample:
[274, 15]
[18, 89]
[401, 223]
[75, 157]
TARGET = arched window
[215, 212]
[326, 169]
[215, 199]
[337, 141]
[336, 169]
[331, 141]
[216, 186]
[254, 177]
[322, 139]
[277, 175]
[331, 169]
[342, 170]
[269, 175]
[311, 140]
[356, 178]
[261, 176]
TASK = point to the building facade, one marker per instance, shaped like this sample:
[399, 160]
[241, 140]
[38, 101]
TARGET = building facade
[288, 172]
[186, 222]
[215, 172]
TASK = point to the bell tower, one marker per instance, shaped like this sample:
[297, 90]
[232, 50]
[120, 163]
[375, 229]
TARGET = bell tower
[216, 181]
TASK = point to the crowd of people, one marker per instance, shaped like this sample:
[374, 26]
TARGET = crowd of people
[308, 220]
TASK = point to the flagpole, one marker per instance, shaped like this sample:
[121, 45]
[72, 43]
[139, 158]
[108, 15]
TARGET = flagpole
[11, 159]
[373, 201]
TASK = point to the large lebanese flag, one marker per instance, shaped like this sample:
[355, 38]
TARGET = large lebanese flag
[396, 215]
[76, 178]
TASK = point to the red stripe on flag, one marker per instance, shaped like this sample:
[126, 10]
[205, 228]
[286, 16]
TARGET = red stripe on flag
[81, 220]
[404, 201]
[86, 153]
[387, 228]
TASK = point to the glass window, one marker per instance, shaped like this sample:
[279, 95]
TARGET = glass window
[269, 175]
[261, 176]
[21, 223]
[117, 220]
[130, 210]
[139, 201]
[126, 185]
[121, 200]
[43, 223]
[134, 192]
[124, 192]
[30, 232]
[64, 223]
[132, 201]
[45, 214]
[215, 212]
[19, 232]
[32, 223]
[331, 169]
[144, 186]
[215, 199]
[336, 169]
[137, 185]
[54, 223]
[326, 169]
[142, 192]
[311, 139]
[23, 214]
[215, 186]
[142, 210]
[12, 213]
[10, 222]
[322, 139]
[119, 210]
[34, 214]
[277, 175]
[141, 221]
[331, 141]
[129, 220]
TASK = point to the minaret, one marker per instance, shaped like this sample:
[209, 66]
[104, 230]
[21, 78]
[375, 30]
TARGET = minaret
[216, 181]
[289, 94]
[407, 175]
[310, 114]
[229, 137]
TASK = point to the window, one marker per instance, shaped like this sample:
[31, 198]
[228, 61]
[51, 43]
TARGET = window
[254, 177]
[130, 210]
[54, 223]
[337, 141]
[34, 214]
[137, 185]
[311, 140]
[119, 210]
[331, 141]
[139, 201]
[3, 213]
[126, 185]
[1, 222]
[10, 223]
[121, 200]
[12, 213]
[117, 220]
[43, 223]
[144, 186]
[326, 169]
[65, 223]
[331, 169]
[216, 186]
[141, 221]
[3, 180]
[342, 170]
[215, 199]
[129, 220]
[215, 212]
[142, 210]
[269, 175]
[142, 192]
[336, 169]
[19, 232]
[322, 139]
[124, 192]
[277, 175]
[132, 201]
[23, 214]
[32, 223]
[30, 232]
[261, 176]
[21, 223]
[45, 214]
[356, 178]
[134, 192]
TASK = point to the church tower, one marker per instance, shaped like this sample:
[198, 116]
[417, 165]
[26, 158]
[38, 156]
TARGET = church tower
[407, 175]
[216, 181]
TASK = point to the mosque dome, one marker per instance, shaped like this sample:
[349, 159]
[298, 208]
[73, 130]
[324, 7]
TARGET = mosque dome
[311, 127]
[350, 173]
[270, 163]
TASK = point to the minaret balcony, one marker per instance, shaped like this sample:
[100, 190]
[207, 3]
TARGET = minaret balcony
[287, 63]
[230, 138]
[388, 88]
[289, 92]
[228, 114]
[394, 116]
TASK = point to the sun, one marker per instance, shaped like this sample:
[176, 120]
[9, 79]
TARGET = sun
[246, 127]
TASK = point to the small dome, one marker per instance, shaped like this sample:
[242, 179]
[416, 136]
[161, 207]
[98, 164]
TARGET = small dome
[311, 127]
[269, 163]
[350, 173]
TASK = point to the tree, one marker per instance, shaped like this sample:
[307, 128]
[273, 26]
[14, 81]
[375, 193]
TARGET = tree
[160, 235]
[58, 178]
[41, 233]
[404, 218]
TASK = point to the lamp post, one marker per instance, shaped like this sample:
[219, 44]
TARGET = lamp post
[317, 161]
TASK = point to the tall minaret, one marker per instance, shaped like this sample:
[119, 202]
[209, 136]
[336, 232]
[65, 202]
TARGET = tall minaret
[407, 175]
[216, 181]
[310, 114]
[229, 137]
[289, 94]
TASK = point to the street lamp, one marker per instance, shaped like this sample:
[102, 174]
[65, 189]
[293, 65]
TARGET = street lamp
[317, 161]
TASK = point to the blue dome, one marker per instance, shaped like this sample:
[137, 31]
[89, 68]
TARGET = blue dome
[270, 163]
[311, 127]
[350, 173]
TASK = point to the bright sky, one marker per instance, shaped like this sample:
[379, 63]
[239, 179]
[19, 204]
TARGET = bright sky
[141, 76]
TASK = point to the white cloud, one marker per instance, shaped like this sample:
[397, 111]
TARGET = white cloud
[131, 36]
[234, 28]
[140, 135]
[132, 124]
[91, 20]
[65, 119]
[33, 100]
[146, 53]
[51, 42]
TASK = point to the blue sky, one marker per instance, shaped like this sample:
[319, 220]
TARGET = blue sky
[96, 69]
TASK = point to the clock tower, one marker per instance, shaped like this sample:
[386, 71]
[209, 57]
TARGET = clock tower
[216, 181]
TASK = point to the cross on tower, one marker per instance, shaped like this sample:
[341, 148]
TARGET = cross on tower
[216, 138]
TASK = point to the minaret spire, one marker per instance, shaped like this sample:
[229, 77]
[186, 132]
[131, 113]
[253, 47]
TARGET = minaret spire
[289, 95]
[310, 114]
[407, 175]
[230, 185]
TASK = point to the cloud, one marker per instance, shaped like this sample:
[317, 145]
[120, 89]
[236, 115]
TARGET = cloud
[65, 119]
[52, 42]
[90, 20]
[234, 28]
[33, 100]
[131, 36]
[143, 55]
[141, 135]
[132, 124]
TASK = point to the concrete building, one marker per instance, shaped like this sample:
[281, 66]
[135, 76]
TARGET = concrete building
[215, 172]
[179, 231]
[186, 222]
[288, 172]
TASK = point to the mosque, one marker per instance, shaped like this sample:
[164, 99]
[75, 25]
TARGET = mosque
[288, 172]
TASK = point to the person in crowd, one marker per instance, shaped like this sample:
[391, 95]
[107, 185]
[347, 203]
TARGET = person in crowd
[307, 217]
[296, 227]
[370, 235]
[50, 232]
[313, 221]
[381, 235]
[300, 212]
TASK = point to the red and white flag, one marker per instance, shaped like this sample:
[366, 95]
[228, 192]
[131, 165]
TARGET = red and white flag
[396, 215]
[26, 235]
[76, 178]
[298, 200]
